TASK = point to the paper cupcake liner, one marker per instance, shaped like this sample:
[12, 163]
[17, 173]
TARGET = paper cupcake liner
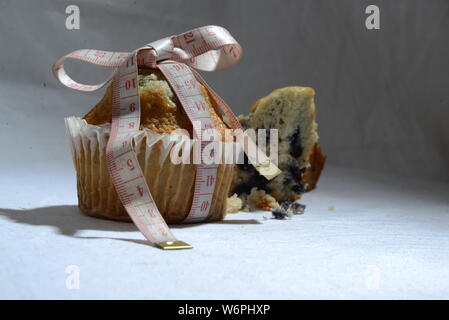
[171, 185]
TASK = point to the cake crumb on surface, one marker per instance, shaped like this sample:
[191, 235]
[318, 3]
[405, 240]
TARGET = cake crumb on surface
[260, 200]
[280, 213]
[233, 204]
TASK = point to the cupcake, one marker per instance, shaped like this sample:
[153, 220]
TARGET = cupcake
[171, 185]
[291, 111]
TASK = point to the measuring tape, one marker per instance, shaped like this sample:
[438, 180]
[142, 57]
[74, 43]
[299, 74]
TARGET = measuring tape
[209, 48]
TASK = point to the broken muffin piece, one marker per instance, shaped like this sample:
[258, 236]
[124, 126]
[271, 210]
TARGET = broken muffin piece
[291, 111]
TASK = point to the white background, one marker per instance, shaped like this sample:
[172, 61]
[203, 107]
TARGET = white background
[382, 103]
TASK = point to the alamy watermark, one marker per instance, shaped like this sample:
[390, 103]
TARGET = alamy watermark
[72, 21]
[372, 22]
[209, 148]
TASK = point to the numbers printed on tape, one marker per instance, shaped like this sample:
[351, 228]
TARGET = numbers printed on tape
[189, 94]
[189, 37]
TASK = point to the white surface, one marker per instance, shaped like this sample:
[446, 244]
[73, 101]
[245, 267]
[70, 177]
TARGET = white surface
[385, 239]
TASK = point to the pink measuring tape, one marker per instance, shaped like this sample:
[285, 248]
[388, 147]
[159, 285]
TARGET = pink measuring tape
[209, 48]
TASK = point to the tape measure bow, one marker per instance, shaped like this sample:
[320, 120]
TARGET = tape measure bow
[209, 48]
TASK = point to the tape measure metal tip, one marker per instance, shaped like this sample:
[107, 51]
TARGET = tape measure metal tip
[173, 245]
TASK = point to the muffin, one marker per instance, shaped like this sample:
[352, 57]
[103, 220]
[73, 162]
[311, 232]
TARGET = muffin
[291, 110]
[170, 184]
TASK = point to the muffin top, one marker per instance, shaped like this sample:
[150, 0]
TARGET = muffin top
[161, 110]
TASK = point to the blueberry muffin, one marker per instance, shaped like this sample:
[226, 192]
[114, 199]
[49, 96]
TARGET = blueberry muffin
[291, 110]
[171, 185]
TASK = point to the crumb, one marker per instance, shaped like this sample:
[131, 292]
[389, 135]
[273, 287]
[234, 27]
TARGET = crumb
[297, 208]
[331, 208]
[233, 204]
[293, 207]
[286, 204]
[279, 213]
[260, 200]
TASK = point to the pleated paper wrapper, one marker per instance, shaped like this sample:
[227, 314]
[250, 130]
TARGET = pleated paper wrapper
[171, 185]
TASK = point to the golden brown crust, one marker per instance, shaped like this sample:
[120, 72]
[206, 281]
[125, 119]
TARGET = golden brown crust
[159, 112]
[307, 91]
[266, 204]
[317, 160]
